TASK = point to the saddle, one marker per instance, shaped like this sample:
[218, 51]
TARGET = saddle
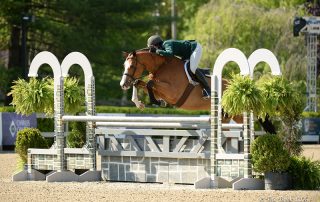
[191, 77]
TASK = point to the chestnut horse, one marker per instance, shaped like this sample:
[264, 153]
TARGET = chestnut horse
[168, 76]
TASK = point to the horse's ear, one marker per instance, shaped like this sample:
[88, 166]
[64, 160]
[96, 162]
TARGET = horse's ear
[124, 54]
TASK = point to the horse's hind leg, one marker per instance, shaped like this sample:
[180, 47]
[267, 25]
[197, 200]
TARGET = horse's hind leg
[152, 98]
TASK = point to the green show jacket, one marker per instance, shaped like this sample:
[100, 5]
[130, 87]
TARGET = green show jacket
[180, 48]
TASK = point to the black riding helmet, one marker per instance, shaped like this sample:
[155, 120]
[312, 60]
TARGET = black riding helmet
[155, 40]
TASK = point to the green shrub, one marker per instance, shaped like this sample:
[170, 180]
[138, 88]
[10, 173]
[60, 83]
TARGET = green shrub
[45, 124]
[7, 109]
[77, 136]
[311, 114]
[135, 110]
[269, 155]
[29, 138]
[305, 173]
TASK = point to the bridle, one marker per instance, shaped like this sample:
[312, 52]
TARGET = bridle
[134, 67]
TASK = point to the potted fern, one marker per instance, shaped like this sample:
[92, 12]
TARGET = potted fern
[37, 96]
[242, 95]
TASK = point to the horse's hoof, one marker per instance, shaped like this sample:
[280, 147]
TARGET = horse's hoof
[141, 106]
[163, 103]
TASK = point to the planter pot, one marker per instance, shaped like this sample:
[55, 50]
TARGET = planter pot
[277, 181]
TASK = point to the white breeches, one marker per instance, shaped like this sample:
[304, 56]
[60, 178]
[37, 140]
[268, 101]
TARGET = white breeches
[195, 58]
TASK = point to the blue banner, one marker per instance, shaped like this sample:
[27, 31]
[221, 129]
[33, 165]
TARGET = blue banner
[11, 123]
[311, 126]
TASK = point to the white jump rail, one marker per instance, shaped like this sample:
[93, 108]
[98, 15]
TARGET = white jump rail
[152, 125]
[163, 125]
[136, 119]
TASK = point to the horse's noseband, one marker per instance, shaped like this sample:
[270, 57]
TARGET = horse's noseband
[131, 76]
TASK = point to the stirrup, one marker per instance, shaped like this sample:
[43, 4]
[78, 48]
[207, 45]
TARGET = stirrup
[206, 97]
[205, 94]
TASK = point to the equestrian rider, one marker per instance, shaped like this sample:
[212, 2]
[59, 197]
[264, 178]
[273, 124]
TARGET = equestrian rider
[186, 50]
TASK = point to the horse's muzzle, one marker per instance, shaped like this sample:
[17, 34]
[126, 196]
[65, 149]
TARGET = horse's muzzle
[126, 82]
[125, 87]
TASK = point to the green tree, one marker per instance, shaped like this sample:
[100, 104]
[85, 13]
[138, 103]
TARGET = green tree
[100, 29]
[248, 26]
[269, 4]
[185, 12]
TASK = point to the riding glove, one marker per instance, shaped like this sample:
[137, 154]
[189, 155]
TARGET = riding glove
[152, 49]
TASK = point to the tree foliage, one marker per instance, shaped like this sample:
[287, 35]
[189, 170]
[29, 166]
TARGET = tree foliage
[248, 25]
[269, 4]
[99, 29]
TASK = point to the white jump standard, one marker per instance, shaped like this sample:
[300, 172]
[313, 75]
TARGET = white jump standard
[58, 158]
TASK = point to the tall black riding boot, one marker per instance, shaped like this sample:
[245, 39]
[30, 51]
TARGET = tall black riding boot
[206, 92]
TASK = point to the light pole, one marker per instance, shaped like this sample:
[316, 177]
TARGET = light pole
[173, 20]
[24, 55]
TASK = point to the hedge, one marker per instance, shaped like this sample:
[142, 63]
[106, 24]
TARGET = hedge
[132, 110]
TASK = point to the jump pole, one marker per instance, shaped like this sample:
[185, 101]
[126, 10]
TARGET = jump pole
[137, 119]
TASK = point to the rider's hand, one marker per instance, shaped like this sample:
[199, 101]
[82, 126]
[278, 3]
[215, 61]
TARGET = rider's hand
[152, 49]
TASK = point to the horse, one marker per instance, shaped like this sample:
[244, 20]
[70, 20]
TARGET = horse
[169, 80]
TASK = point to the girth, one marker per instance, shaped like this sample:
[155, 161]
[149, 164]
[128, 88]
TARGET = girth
[181, 100]
[185, 95]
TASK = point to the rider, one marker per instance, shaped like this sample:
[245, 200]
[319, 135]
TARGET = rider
[186, 50]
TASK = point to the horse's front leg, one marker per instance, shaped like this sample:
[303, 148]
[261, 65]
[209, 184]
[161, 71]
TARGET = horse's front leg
[153, 100]
[135, 98]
